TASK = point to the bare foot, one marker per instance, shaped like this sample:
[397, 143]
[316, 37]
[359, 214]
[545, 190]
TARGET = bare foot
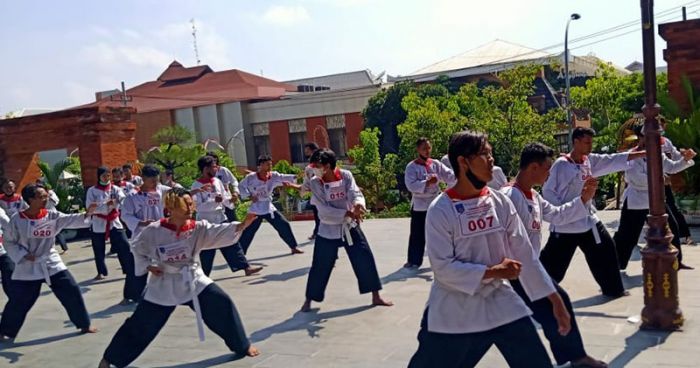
[64, 252]
[104, 364]
[253, 351]
[377, 300]
[252, 270]
[89, 330]
[297, 251]
[312, 237]
[99, 277]
[589, 362]
[306, 307]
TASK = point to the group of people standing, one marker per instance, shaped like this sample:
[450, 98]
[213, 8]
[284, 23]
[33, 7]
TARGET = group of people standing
[482, 236]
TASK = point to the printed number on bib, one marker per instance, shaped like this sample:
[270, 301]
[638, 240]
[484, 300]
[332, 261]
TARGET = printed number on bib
[42, 230]
[175, 252]
[153, 201]
[477, 218]
[261, 193]
[335, 191]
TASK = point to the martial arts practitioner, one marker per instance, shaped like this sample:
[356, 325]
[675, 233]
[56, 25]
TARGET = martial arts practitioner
[309, 173]
[497, 181]
[10, 204]
[341, 207]
[51, 206]
[423, 177]
[259, 187]
[29, 240]
[231, 184]
[635, 201]
[475, 243]
[106, 224]
[535, 162]
[169, 247]
[10, 201]
[127, 169]
[674, 154]
[6, 264]
[566, 180]
[211, 196]
[118, 180]
[167, 178]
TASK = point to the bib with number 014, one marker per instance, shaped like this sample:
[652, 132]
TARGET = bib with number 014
[477, 216]
[42, 229]
[174, 252]
[335, 191]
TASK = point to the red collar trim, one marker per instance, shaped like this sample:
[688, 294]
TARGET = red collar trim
[42, 213]
[120, 184]
[567, 156]
[336, 172]
[427, 162]
[527, 194]
[663, 140]
[16, 197]
[104, 188]
[189, 225]
[452, 193]
[206, 180]
[266, 178]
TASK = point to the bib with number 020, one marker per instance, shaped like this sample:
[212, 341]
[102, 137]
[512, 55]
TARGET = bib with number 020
[477, 216]
[174, 252]
[42, 229]
[335, 191]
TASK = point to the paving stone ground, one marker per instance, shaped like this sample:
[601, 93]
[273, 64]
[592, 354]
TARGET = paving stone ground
[344, 331]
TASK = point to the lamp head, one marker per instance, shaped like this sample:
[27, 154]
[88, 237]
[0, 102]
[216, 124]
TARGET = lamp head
[575, 16]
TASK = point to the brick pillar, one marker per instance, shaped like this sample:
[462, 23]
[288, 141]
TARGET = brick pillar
[279, 141]
[316, 131]
[682, 54]
[353, 126]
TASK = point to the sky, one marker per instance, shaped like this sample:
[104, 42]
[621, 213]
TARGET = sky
[57, 54]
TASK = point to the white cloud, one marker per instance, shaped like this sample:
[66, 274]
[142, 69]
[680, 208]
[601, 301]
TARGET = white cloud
[212, 46]
[111, 56]
[286, 15]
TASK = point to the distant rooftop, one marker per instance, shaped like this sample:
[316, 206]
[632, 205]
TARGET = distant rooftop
[356, 79]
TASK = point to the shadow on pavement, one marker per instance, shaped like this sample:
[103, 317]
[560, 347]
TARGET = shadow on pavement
[309, 321]
[403, 274]
[209, 362]
[637, 343]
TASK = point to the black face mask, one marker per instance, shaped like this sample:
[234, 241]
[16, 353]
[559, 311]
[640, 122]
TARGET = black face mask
[476, 182]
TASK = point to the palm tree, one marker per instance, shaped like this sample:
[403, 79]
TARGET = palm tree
[52, 175]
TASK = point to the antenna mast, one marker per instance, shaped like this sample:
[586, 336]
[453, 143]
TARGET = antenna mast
[194, 37]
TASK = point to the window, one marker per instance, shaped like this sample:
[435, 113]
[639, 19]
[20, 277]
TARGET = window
[296, 144]
[336, 139]
[262, 145]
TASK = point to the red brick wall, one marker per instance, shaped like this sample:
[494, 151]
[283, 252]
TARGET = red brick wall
[315, 134]
[279, 141]
[353, 126]
[682, 54]
[148, 124]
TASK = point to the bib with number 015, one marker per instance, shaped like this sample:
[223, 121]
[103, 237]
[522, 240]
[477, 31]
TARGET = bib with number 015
[535, 219]
[477, 216]
[335, 191]
[174, 252]
[42, 229]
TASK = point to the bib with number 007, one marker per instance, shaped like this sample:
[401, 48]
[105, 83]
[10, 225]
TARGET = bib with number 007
[42, 229]
[335, 191]
[174, 252]
[477, 216]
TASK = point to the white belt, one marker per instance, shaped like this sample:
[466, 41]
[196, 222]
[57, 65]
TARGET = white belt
[45, 268]
[347, 225]
[594, 229]
[187, 273]
[487, 288]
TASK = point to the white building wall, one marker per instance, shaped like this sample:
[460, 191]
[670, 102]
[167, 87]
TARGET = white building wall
[231, 131]
[207, 123]
[185, 118]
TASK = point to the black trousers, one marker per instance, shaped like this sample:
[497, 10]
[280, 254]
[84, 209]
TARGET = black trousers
[416, 239]
[230, 214]
[235, 258]
[133, 285]
[601, 258]
[672, 209]
[317, 220]
[631, 225]
[23, 295]
[325, 255]
[279, 222]
[567, 348]
[61, 240]
[6, 269]
[218, 312]
[517, 341]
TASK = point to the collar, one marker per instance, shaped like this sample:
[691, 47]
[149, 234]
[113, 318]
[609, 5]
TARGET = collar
[427, 162]
[204, 180]
[189, 225]
[568, 157]
[527, 194]
[15, 197]
[120, 184]
[265, 178]
[105, 188]
[452, 193]
[42, 213]
[336, 172]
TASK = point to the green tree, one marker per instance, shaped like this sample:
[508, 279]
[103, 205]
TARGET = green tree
[69, 192]
[375, 175]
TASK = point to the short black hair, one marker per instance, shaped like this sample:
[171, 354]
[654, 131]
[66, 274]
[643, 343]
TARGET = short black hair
[465, 143]
[101, 171]
[264, 158]
[169, 172]
[150, 171]
[326, 156]
[180, 191]
[315, 156]
[580, 132]
[7, 181]
[117, 170]
[127, 166]
[214, 155]
[29, 191]
[421, 140]
[535, 153]
[204, 162]
[312, 146]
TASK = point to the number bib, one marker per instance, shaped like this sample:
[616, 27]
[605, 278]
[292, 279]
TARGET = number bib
[335, 191]
[261, 193]
[42, 229]
[477, 216]
[174, 252]
[535, 224]
[153, 200]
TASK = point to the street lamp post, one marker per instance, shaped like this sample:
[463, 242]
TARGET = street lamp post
[659, 259]
[567, 99]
